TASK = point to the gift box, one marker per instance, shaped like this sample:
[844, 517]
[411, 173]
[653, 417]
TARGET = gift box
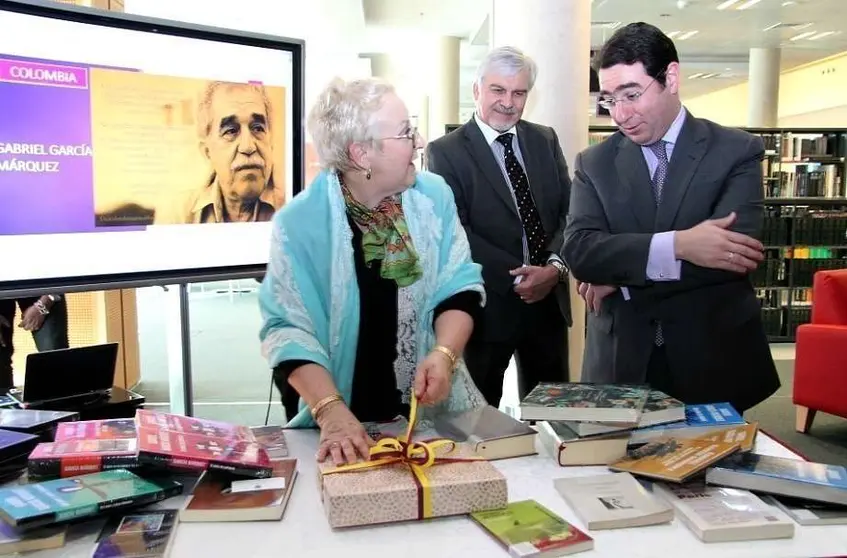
[457, 482]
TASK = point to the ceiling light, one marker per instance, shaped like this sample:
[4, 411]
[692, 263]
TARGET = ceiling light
[727, 4]
[802, 36]
[673, 34]
[821, 35]
[747, 4]
[687, 35]
[774, 26]
[695, 76]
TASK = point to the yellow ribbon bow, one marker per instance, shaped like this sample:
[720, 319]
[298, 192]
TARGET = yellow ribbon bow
[417, 455]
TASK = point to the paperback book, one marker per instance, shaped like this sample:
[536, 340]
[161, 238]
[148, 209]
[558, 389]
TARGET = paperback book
[57, 501]
[146, 534]
[528, 529]
[106, 429]
[71, 458]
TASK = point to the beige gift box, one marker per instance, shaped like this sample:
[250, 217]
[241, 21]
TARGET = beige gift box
[394, 492]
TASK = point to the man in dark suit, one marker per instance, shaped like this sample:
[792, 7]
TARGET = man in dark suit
[512, 188]
[665, 216]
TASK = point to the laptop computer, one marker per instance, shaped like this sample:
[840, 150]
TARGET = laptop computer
[74, 374]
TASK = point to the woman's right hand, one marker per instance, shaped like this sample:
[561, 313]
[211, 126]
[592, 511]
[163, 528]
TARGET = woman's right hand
[343, 436]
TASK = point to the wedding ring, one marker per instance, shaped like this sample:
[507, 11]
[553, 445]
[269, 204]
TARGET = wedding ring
[731, 255]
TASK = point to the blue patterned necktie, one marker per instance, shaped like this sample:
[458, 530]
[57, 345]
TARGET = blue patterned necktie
[658, 180]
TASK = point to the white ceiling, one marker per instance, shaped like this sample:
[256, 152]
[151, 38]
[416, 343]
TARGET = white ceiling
[720, 46]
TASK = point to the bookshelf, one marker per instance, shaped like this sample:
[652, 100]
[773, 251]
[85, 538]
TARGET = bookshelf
[805, 225]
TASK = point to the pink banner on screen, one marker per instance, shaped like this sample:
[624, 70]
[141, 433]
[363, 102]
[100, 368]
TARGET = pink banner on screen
[18, 71]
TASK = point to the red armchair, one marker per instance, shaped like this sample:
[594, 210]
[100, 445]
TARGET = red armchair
[820, 362]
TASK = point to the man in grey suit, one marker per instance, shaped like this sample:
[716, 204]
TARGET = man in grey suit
[512, 187]
[665, 216]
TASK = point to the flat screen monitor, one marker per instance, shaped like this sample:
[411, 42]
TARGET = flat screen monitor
[140, 151]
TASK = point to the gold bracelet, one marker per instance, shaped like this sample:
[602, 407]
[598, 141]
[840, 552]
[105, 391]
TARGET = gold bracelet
[448, 353]
[320, 405]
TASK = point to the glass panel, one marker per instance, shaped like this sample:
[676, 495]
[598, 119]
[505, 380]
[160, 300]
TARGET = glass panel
[232, 381]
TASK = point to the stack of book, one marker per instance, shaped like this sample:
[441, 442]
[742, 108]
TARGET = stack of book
[38, 423]
[111, 467]
[591, 424]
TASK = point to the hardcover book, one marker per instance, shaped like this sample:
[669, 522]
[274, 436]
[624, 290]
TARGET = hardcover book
[145, 534]
[490, 432]
[567, 448]
[31, 421]
[107, 429]
[14, 444]
[660, 408]
[528, 529]
[71, 458]
[57, 501]
[782, 476]
[674, 460]
[584, 402]
[222, 497]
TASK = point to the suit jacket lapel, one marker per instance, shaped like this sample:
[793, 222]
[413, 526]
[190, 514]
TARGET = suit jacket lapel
[635, 178]
[484, 157]
[690, 147]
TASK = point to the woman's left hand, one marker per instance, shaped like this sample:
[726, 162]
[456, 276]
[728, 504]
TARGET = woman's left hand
[433, 378]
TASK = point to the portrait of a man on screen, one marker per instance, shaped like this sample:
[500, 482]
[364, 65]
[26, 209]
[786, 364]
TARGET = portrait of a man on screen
[234, 132]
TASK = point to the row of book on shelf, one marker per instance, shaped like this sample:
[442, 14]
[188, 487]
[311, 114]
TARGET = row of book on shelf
[664, 460]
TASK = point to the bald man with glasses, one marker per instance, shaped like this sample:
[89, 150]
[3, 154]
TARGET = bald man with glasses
[662, 234]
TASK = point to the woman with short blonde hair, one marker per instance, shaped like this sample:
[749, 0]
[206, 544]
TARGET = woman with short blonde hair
[370, 293]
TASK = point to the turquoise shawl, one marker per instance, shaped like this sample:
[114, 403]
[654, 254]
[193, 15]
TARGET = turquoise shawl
[309, 299]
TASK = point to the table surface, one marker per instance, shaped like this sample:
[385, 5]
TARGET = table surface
[304, 532]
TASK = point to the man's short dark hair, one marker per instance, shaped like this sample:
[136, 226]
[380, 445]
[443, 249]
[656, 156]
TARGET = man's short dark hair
[638, 42]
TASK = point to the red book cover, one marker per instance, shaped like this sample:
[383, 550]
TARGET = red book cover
[107, 429]
[71, 458]
[183, 451]
[191, 425]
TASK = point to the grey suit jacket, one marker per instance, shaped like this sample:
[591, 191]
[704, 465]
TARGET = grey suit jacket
[711, 323]
[488, 213]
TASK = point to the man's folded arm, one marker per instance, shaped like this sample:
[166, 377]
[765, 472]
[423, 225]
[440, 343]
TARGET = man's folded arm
[593, 254]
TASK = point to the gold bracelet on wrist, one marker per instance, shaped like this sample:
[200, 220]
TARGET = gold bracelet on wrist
[323, 403]
[448, 353]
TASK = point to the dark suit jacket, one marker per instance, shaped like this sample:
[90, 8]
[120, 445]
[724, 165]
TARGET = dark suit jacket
[711, 321]
[487, 210]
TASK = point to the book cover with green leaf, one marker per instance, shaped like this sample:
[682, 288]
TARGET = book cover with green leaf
[527, 528]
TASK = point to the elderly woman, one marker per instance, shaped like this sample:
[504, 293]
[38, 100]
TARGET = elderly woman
[370, 292]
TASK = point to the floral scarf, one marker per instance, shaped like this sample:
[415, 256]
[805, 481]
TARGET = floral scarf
[386, 237]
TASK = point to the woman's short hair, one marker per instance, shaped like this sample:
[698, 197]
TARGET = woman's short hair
[508, 61]
[344, 114]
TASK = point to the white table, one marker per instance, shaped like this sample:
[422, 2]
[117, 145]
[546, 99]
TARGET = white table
[305, 533]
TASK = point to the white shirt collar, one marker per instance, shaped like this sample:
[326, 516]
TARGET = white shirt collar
[490, 133]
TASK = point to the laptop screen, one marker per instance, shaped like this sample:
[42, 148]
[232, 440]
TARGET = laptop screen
[69, 372]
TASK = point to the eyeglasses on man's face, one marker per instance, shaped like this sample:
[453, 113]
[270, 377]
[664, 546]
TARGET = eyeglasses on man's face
[608, 102]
